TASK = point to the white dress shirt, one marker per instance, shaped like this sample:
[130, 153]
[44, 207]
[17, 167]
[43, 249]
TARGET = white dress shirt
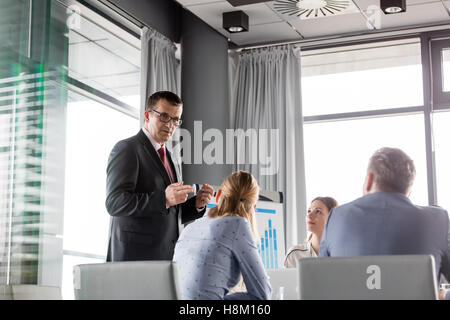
[157, 146]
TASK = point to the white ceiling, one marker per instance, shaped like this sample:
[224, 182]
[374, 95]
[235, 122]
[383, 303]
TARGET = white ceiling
[267, 25]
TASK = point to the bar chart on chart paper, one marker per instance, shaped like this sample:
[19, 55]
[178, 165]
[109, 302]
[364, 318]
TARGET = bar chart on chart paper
[268, 247]
[269, 220]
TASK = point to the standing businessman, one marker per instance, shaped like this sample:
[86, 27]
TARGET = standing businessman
[145, 195]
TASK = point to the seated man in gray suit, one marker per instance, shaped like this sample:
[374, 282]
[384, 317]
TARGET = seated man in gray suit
[384, 221]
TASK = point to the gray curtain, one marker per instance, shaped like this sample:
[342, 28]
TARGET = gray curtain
[159, 67]
[267, 95]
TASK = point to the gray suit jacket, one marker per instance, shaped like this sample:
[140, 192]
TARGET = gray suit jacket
[387, 223]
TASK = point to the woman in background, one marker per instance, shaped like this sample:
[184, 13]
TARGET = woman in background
[214, 252]
[315, 219]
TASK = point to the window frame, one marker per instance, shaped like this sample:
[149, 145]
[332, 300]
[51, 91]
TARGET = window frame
[441, 98]
[82, 89]
[430, 44]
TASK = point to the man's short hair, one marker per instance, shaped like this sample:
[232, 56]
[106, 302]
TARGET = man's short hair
[393, 170]
[171, 97]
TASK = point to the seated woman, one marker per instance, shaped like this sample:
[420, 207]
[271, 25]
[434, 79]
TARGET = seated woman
[215, 251]
[317, 216]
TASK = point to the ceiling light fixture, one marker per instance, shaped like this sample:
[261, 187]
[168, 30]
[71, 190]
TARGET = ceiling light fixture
[235, 21]
[235, 29]
[393, 6]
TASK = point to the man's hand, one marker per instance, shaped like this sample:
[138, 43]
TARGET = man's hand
[177, 193]
[204, 196]
[442, 293]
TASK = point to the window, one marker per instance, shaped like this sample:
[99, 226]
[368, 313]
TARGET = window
[440, 65]
[92, 131]
[441, 132]
[440, 53]
[336, 158]
[89, 141]
[30, 168]
[440, 116]
[56, 135]
[359, 78]
[357, 99]
[102, 109]
[446, 69]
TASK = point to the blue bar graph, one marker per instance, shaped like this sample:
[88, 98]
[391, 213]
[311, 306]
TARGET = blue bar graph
[266, 239]
[268, 248]
[262, 251]
[275, 250]
[258, 210]
[268, 245]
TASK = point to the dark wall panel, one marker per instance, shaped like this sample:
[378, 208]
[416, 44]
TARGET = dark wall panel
[204, 78]
[161, 15]
[204, 90]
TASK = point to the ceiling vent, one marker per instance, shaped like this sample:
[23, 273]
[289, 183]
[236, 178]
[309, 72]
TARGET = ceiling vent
[236, 3]
[308, 9]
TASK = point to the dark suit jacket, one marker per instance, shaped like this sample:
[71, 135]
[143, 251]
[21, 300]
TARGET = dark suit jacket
[384, 223]
[141, 227]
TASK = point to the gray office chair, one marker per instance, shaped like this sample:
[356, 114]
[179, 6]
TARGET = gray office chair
[29, 292]
[35, 292]
[393, 277]
[130, 280]
[284, 283]
[5, 292]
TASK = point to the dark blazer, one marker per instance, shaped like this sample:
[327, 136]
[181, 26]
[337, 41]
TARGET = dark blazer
[141, 228]
[384, 223]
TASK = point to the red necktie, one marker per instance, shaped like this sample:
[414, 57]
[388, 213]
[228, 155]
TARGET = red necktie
[162, 156]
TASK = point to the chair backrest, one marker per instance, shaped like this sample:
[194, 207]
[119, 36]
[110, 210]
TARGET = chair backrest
[135, 280]
[284, 283]
[29, 292]
[35, 292]
[400, 277]
[5, 292]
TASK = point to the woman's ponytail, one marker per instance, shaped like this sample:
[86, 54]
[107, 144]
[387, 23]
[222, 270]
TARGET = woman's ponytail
[240, 191]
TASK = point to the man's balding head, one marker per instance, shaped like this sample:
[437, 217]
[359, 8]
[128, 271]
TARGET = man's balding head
[390, 170]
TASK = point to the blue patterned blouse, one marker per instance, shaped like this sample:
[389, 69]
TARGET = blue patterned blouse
[212, 253]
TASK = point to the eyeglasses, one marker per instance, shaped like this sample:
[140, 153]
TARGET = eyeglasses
[164, 117]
